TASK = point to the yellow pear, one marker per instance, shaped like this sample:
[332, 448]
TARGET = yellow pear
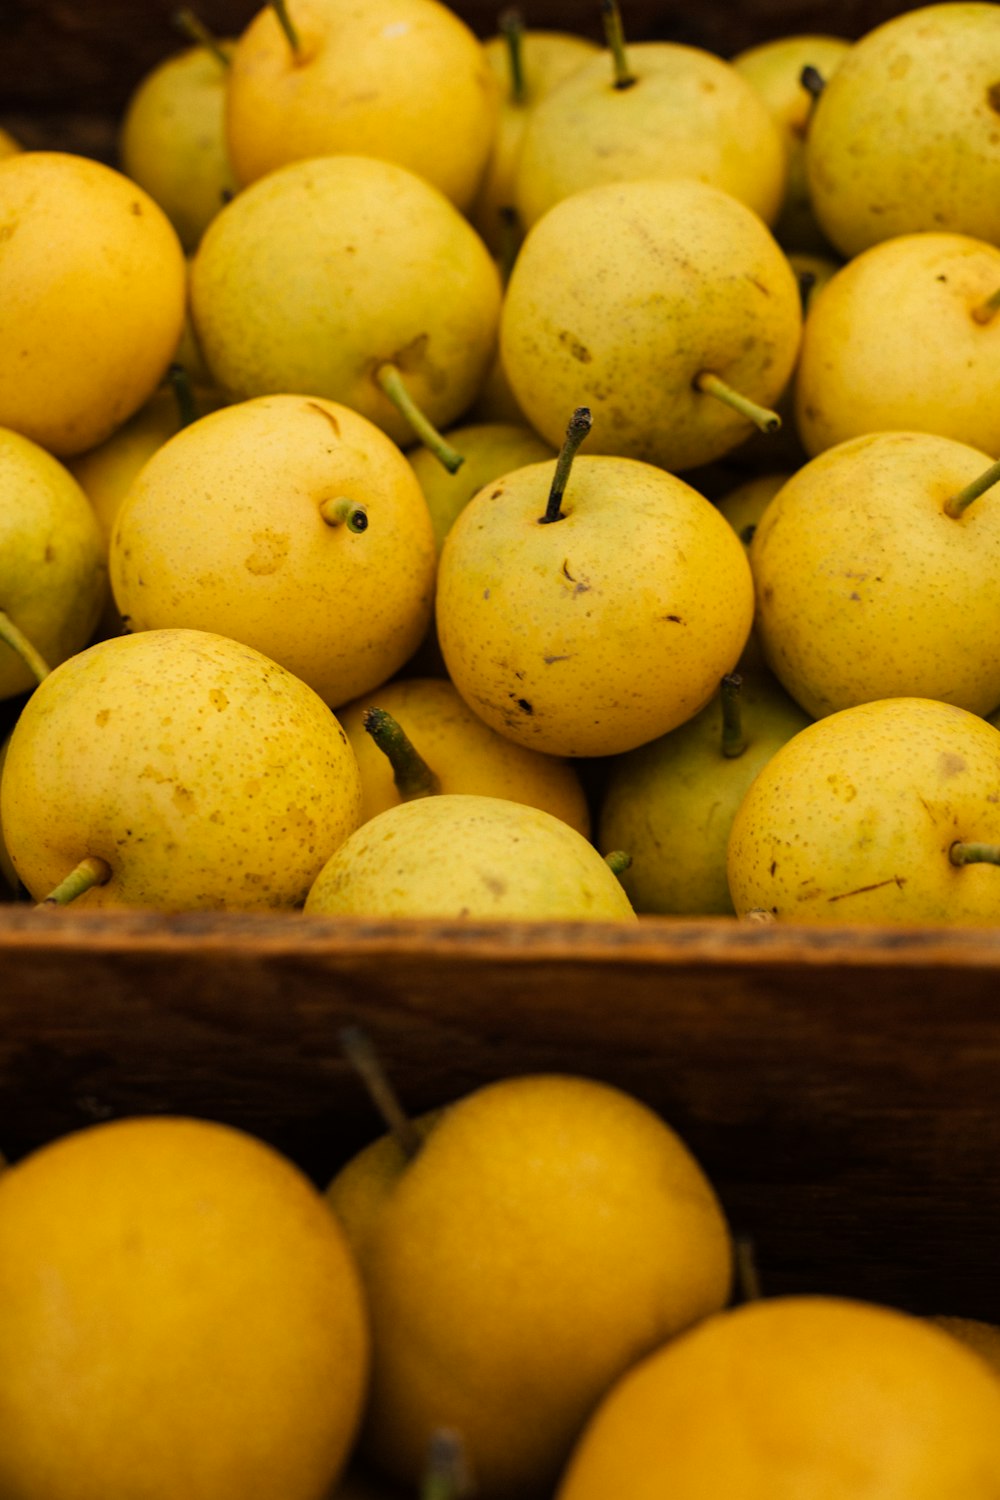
[873, 581]
[191, 771]
[172, 138]
[490, 449]
[53, 568]
[685, 114]
[904, 337]
[905, 136]
[291, 524]
[774, 68]
[602, 629]
[791, 1397]
[92, 286]
[461, 752]
[189, 1295]
[324, 272]
[886, 812]
[402, 80]
[548, 1232]
[632, 299]
[459, 855]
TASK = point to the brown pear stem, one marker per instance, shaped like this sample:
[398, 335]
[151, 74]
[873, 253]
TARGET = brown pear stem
[959, 504]
[359, 1050]
[974, 854]
[987, 310]
[760, 416]
[579, 425]
[89, 872]
[18, 641]
[194, 28]
[806, 281]
[390, 381]
[187, 407]
[510, 240]
[618, 861]
[410, 772]
[446, 1474]
[280, 8]
[511, 25]
[614, 35]
[812, 81]
[734, 740]
[747, 1276]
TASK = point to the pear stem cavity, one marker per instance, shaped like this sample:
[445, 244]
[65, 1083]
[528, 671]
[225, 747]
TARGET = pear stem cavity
[359, 1050]
[957, 505]
[618, 861]
[194, 28]
[410, 772]
[511, 24]
[340, 511]
[614, 34]
[974, 854]
[89, 872]
[713, 385]
[734, 740]
[986, 311]
[18, 641]
[280, 8]
[446, 1472]
[187, 407]
[391, 383]
[580, 424]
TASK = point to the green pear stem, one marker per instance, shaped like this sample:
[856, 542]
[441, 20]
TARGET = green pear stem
[959, 504]
[987, 310]
[89, 872]
[618, 861]
[18, 641]
[187, 407]
[511, 25]
[974, 854]
[614, 35]
[510, 241]
[579, 425]
[280, 8]
[391, 383]
[359, 1050]
[445, 1474]
[812, 81]
[747, 1276]
[410, 772]
[734, 740]
[339, 511]
[194, 28]
[760, 416]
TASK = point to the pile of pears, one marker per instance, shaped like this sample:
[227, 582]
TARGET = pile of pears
[522, 479]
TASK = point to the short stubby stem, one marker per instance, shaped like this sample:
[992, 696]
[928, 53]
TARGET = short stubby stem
[987, 311]
[713, 385]
[89, 872]
[958, 504]
[391, 383]
[360, 1052]
[961, 853]
[618, 861]
[16, 639]
[187, 407]
[510, 240]
[338, 510]
[812, 81]
[579, 425]
[734, 740]
[412, 775]
[747, 1276]
[614, 35]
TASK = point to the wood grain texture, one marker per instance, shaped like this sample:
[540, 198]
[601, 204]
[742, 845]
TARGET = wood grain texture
[838, 1086]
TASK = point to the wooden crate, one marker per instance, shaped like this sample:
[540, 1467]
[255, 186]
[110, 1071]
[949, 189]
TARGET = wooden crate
[838, 1085]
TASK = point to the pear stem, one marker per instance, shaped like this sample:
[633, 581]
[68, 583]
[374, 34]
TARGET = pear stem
[734, 740]
[579, 425]
[812, 81]
[446, 1475]
[194, 28]
[614, 35]
[510, 241]
[18, 641]
[390, 381]
[359, 1050]
[760, 416]
[806, 281]
[986, 311]
[618, 861]
[187, 407]
[958, 504]
[88, 873]
[747, 1276]
[280, 8]
[339, 510]
[410, 772]
[511, 24]
[974, 854]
